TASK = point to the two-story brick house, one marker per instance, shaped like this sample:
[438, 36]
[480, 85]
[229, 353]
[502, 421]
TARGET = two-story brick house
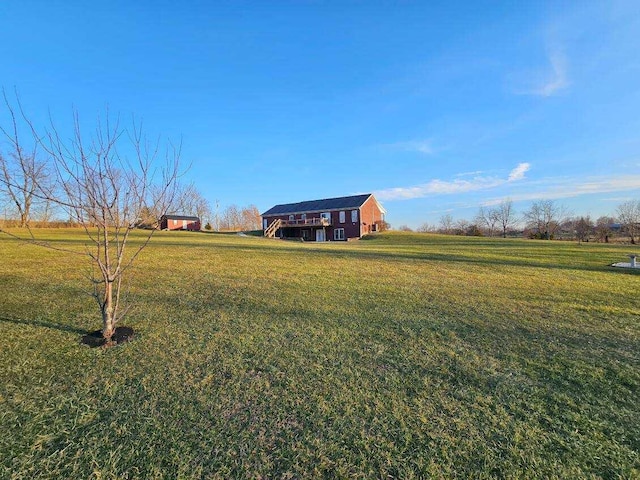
[339, 219]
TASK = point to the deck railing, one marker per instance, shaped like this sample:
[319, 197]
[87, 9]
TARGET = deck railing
[307, 222]
[277, 224]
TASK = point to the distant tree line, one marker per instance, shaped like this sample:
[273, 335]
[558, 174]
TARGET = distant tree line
[234, 218]
[545, 220]
[23, 177]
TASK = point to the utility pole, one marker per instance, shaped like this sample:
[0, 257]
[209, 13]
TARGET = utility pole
[216, 218]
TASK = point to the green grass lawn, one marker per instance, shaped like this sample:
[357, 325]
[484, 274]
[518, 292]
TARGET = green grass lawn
[404, 356]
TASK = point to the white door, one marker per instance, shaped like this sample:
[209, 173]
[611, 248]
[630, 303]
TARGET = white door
[319, 235]
[184, 224]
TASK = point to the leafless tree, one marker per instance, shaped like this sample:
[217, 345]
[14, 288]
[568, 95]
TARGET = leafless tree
[460, 227]
[545, 217]
[473, 230]
[106, 181]
[603, 228]
[629, 216]
[190, 201]
[22, 175]
[202, 209]
[425, 228]
[236, 219]
[19, 176]
[43, 212]
[4, 206]
[446, 224]
[487, 218]
[384, 226]
[231, 218]
[505, 215]
[583, 227]
[250, 218]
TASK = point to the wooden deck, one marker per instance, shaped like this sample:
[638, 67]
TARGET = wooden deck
[277, 224]
[309, 222]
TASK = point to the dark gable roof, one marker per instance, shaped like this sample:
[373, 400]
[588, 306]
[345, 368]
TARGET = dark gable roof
[181, 217]
[324, 205]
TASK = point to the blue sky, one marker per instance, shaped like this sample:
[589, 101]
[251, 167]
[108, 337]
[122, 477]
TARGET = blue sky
[436, 107]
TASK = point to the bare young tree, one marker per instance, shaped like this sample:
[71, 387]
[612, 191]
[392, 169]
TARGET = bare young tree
[202, 209]
[545, 217]
[250, 218]
[603, 228]
[425, 228]
[235, 218]
[107, 180]
[4, 207]
[231, 218]
[460, 227]
[583, 227]
[446, 224]
[505, 216]
[22, 175]
[487, 218]
[19, 174]
[384, 226]
[106, 193]
[629, 216]
[189, 201]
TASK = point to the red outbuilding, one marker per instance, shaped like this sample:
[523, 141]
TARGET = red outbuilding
[342, 218]
[179, 222]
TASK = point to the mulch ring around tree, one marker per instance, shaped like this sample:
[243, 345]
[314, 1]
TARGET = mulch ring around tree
[120, 335]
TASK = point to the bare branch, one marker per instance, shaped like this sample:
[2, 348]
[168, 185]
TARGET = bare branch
[106, 181]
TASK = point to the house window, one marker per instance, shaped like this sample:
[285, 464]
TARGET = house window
[354, 216]
[342, 217]
[264, 223]
[304, 218]
[175, 222]
[338, 234]
[326, 216]
[291, 218]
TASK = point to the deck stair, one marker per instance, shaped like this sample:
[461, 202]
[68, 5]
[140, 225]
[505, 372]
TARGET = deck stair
[271, 230]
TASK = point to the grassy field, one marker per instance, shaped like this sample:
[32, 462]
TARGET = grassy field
[404, 356]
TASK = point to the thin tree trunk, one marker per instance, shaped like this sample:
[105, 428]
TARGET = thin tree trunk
[108, 324]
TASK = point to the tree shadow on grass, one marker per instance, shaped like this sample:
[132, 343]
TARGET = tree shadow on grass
[514, 258]
[44, 324]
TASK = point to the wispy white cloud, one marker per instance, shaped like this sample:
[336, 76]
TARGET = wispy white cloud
[616, 199]
[557, 79]
[547, 81]
[563, 187]
[469, 174]
[442, 187]
[518, 172]
[421, 146]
